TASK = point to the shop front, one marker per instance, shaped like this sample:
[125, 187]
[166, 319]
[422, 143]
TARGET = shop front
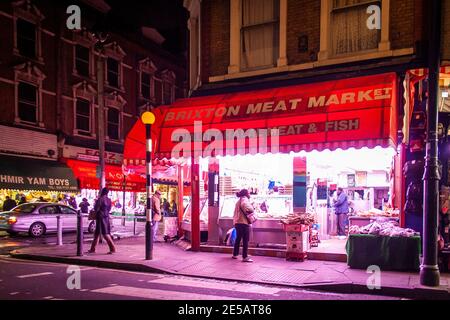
[291, 147]
[29, 179]
[124, 186]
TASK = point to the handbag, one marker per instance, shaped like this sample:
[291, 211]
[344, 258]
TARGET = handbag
[251, 218]
[92, 215]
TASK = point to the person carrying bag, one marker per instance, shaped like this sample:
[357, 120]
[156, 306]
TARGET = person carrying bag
[244, 216]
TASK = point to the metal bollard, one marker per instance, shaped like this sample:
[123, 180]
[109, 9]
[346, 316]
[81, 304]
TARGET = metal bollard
[80, 234]
[134, 225]
[59, 228]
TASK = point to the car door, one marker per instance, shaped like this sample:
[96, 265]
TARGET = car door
[47, 215]
[70, 217]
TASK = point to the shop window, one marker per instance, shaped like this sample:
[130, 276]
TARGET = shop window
[259, 33]
[82, 60]
[349, 31]
[113, 123]
[83, 115]
[146, 85]
[113, 72]
[28, 102]
[158, 92]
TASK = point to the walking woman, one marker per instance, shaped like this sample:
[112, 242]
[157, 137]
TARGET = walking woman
[242, 225]
[102, 208]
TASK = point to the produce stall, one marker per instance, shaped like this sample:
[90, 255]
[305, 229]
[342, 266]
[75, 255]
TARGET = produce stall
[385, 245]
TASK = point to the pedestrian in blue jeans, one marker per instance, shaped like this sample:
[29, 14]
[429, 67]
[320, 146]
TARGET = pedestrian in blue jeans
[242, 225]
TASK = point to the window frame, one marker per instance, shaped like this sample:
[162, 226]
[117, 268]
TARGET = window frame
[118, 124]
[31, 14]
[243, 28]
[36, 88]
[79, 131]
[35, 49]
[76, 59]
[118, 72]
[326, 9]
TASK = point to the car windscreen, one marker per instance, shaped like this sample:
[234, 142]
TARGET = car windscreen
[25, 208]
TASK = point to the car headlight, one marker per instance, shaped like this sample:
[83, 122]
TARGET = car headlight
[12, 220]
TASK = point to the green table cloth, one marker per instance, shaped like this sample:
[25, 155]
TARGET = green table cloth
[389, 253]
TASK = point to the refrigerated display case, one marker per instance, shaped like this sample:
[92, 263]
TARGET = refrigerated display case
[267, 230]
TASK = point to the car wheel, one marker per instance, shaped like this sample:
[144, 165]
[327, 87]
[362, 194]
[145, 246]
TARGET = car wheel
[37, 229]
[91, 228]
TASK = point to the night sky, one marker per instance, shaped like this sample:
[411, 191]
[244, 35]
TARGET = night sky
[169, 17]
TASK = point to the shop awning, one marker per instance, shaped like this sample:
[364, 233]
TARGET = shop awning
[18, 173]
[86, 173]
[355, 112]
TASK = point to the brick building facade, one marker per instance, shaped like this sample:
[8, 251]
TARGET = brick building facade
[48, 78]
[304, 29]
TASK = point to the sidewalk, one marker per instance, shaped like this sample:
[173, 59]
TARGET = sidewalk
[171, 259]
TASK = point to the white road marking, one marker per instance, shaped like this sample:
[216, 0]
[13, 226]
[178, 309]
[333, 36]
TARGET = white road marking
[159, 294]
[13, 293]
[48, 298]
[113, 284]
[213, 285]
[34, 275]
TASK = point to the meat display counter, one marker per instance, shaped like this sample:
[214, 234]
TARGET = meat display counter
[267, 230]
[186, 223]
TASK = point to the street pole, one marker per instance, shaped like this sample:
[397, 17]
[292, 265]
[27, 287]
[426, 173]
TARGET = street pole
[101, 114]
[123, 199]
[148, 118]
[429, 271]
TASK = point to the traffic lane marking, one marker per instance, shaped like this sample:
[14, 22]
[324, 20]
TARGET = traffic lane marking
[34, 275]
[217, 285]
[159, 294]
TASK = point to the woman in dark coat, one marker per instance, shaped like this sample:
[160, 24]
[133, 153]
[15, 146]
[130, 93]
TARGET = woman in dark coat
[102, 208]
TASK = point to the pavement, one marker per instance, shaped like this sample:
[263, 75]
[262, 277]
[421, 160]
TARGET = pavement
[330, 276]
[36, 280]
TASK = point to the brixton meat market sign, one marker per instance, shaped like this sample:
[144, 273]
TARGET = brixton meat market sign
[353, 112]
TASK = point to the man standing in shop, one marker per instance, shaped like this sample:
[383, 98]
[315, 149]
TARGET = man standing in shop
[341, 210]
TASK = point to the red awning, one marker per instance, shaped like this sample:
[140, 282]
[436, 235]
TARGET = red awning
[356, 112]
[86, 173]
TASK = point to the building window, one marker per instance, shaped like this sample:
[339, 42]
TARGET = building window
[158, 92]
[26, 38]
[349, 32]
[259, 33]
[146, 85]
[113, 123]
[82, 60]
[28, 102]
[113, 72]
[168, 92]
[83, 116]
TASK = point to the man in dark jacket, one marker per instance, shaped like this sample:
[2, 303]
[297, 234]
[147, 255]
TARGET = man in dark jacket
[9, 204]
[341, 210]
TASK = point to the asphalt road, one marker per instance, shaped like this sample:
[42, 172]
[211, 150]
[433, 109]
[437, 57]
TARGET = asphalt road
[22, 279]
[30, 280]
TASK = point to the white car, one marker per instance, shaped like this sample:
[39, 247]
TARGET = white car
[39, 218]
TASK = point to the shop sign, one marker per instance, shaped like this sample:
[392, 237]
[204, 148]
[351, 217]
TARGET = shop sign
[92, 155]
[37, 183]
[352, 112]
